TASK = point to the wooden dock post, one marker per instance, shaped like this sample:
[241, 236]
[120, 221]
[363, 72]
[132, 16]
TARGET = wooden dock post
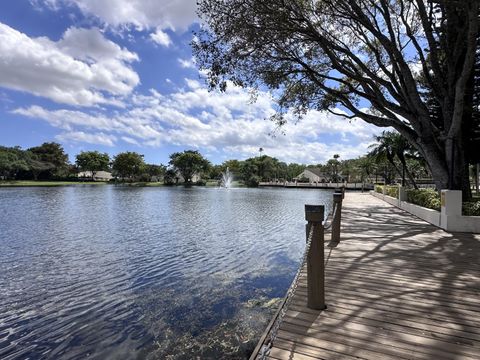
[340, 190]
[314, 214]
[337, 218]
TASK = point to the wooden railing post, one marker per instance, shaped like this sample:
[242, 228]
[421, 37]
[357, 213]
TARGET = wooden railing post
[314, 214]
[337, 218]
[341, 190]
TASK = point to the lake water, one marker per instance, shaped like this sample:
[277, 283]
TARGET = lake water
[111, 272]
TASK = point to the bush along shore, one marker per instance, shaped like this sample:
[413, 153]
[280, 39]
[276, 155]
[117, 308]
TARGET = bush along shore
[430, 198]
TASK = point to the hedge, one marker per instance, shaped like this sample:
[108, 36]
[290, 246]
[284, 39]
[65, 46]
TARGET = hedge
[428, 198]
[471, 208]
[392, 191]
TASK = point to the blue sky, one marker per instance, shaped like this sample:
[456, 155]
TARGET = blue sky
[118, 75]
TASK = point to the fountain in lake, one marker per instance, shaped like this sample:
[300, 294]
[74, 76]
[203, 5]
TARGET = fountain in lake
[226, 180]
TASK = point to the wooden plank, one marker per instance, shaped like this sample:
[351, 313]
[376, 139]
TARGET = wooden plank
[467, 285]
[347, 346]
[435, 346]
[399, 324]
[420, 317]
[285, 349]
[422, 299]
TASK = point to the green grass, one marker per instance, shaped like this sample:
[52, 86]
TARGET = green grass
[234, 184]
[30, 183]
[212, 183]
[139, 184]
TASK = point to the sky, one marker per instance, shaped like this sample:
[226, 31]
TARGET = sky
[118, 75]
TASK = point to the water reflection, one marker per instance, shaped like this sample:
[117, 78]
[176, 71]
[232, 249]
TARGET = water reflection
[149, 273]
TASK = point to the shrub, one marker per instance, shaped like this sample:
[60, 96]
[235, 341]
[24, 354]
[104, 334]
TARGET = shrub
[471, 208]
[428, 198]
[143, 178]
[379, 189]
[392, 191]
[170, 177]
[252, 181]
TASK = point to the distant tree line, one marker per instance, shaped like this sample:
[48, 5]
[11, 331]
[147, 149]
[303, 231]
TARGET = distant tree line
[45, 162]
[50, 162]
[391, 159]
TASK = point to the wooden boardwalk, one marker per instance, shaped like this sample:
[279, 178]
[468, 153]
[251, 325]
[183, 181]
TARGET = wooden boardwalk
[293, 185]
[396, 288]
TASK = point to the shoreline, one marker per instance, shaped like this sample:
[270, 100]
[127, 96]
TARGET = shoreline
[50, 183]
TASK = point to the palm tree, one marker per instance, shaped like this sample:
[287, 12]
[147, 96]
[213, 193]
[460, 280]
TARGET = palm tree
[367, 167]
[391, 145]
[402, 149]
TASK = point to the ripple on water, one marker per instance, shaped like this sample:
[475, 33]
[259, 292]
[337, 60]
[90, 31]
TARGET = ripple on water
[149, 273]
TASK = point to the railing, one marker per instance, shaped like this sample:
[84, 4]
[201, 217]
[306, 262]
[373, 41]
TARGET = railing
[314, 214]
[319, 185]
[314, 258]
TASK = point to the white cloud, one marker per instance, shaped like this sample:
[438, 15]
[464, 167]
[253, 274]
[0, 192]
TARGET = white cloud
[161, 38]
[187, 63]
[218, 123]
[193, 84]
[83, 68]
[80, 136]
[129, 140]
[91, 46]
[70, 119]
[140, 14]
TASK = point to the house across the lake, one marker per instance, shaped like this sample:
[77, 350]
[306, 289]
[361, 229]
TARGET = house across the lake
[195, 177]
[99, 175]
[313, 175]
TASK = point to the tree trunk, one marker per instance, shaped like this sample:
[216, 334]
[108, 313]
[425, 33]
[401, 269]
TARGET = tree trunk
[435, 161]
[457, 165]
[397, 170]
[447, 165]
[477, 174]
[409, 174]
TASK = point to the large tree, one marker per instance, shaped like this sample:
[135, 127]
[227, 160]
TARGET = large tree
[189, 163]
[128, 164]
[358, 59]
[92, 161]
[49, 160]
[12, 161]
[154, 171]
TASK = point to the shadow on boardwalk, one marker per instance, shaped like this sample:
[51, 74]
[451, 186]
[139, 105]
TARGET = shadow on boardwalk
[396, 288]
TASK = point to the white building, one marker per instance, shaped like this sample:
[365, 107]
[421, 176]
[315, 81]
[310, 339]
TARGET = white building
[99, 175]
[313, 175]
[195, 177]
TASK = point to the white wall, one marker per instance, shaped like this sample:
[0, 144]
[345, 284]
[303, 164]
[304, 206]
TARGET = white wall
[449, 218]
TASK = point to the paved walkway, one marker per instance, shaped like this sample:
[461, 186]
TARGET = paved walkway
[396, 288]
